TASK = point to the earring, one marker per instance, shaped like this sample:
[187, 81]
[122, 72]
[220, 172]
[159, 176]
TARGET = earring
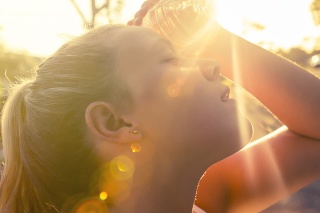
[135, 132]
[135, 147]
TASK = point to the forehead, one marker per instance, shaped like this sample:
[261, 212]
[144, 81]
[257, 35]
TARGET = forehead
[139, 51]
[136, 42]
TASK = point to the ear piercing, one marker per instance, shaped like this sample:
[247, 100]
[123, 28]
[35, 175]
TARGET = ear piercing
[135, 132]
[135, 147]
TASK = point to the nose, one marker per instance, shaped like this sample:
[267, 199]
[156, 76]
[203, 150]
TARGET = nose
[210, 69]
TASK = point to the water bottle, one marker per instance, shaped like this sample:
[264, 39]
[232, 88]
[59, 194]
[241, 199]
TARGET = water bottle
[182, 21]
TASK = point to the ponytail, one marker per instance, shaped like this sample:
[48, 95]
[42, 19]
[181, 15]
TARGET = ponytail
[48, 157]
[16, 190]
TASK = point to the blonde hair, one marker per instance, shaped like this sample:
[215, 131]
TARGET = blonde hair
[48, 158]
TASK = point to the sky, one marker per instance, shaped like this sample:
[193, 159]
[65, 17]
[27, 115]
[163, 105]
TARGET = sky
[39, 27]
[287, 22]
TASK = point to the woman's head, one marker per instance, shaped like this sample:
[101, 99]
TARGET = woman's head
[178, 103]
[44, 133]
[98, 95]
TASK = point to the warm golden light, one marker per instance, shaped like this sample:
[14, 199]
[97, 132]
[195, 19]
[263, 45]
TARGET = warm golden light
[91, 205]
[228, 14]
[122, 167]
[241, 122]
[103, 195]
[135, 147]
[38, 26]
[315, 60]
[173, 90]
[277, 24]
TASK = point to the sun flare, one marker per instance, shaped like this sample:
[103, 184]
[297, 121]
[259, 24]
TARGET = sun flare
[279, 24]
[38, 26]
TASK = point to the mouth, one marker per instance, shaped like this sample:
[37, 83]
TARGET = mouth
[225, 95]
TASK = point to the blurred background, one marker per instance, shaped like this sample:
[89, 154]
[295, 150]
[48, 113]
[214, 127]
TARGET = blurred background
[31, 30]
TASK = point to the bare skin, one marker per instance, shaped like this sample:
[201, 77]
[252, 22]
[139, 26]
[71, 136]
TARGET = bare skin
[276, 165]
[282, 162]
[176, 130]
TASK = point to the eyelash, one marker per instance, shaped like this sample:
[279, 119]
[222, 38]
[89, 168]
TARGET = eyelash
[172, 60]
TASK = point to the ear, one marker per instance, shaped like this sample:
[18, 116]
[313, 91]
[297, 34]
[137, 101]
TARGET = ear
[105, 123]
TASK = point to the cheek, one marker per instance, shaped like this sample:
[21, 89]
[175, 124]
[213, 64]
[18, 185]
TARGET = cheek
[198, 125]
[185, 108]
[177, 85]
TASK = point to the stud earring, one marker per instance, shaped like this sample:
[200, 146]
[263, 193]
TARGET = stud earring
[135, 132]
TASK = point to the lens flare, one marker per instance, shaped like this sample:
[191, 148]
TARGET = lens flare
[242, 123]
[315, 60]
[103, 195]
[91, 205]
[269, 162]
[122, 167]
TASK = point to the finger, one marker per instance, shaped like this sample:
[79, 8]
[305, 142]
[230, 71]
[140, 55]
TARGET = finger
[130, 23]
[142, 12]
[139, 15]
[138, 21]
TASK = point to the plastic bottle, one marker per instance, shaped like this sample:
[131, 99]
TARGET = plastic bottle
[181, 21]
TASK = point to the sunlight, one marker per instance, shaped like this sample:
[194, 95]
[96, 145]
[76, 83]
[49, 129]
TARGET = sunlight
[282, 23]
[38, 27]
[242, 125]
[250, 159]
[91, 205]
[136, 147]
[103, 195]
[270, 161]
[228, 15]
[241, 104]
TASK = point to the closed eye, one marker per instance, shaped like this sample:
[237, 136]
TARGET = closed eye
[174, 60]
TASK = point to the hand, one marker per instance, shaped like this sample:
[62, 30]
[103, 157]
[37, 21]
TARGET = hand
[185, 33]
[138, 17]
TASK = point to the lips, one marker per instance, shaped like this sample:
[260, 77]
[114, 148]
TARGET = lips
[225, 94]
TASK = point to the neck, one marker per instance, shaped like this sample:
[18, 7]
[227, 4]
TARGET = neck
[162, 189]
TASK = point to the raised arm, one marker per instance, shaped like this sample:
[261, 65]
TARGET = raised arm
[260, 174]
[280, 163]
[289, 91]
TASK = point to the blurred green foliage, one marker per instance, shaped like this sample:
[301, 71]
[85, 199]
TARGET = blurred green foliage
[14, 66]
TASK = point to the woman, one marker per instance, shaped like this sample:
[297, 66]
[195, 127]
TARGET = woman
[115, 118]
[97, 99]
[269, 169]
